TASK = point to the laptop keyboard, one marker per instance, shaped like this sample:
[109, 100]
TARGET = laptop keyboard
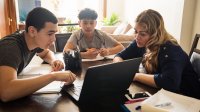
[76, 88]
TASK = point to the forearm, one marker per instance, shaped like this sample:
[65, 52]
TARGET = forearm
[116, 49]
[145, 79]
[49, 57]
[18, 88]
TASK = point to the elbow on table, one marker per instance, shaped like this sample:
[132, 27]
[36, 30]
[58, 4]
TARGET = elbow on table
[5, 97]
[172, 86]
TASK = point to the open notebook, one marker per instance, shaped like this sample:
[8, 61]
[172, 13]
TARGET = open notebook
[35, 68]
[166, 101]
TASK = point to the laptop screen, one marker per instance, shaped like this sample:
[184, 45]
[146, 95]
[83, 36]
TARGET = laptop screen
[108, 80]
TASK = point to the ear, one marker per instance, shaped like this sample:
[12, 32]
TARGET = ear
[32, 31]
[95, 23]
[79, 23]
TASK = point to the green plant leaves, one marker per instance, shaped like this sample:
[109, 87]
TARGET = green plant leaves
[114, 19]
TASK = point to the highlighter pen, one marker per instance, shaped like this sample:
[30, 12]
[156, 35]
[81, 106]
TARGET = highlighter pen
[136, 100]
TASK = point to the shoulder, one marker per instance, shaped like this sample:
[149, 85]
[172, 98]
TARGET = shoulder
[170, 47]
[75, 35]
[101, 33]
[171, 51]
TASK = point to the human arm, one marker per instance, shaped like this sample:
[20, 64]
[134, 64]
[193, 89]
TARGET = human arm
[169, 71]
[147, 79]
[132, 51]
[88, 54]
[113, 50]
[172, 61]
[48, 56]
[12, 88]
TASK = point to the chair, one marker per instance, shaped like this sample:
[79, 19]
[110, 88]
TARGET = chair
[61, 40]
[195, 55]
[194, 45]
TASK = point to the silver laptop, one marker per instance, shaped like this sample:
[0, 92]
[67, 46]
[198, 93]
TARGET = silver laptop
[105, 80]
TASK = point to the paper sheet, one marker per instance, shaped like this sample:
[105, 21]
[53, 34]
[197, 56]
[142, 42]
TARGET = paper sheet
[179, 103]
[53, 87]
[36, 69]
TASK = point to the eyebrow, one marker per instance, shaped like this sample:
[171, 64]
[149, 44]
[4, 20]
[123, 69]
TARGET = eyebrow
[52, 31]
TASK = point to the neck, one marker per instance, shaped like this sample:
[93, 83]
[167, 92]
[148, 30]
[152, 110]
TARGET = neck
[89, 35]
[29, 41]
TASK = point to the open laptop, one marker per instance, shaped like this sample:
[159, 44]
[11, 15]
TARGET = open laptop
[107, 80]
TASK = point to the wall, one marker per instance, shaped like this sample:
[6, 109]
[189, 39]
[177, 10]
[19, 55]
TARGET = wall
[171, 10]
[196, 28]
[187, 24]
[182, 17]
[116, 6]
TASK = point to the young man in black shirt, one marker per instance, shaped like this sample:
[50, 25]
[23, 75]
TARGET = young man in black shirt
[17, 50]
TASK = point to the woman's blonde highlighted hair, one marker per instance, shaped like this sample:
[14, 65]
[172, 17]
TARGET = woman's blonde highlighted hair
[153, 23]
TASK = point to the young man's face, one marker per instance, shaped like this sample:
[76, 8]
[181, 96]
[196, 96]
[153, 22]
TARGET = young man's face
[46, 36]
[88, 26]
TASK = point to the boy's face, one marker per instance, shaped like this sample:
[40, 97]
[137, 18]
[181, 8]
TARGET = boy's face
[46, 36]
[87, 26]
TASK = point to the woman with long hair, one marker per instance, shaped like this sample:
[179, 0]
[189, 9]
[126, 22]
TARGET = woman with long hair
[165, 64]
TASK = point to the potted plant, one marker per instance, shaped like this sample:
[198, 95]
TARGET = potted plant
[112, 20]
[68, 28]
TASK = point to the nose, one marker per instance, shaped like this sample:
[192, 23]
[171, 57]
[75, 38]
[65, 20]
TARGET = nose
[53, 38]
[137, 36]
[88, 25]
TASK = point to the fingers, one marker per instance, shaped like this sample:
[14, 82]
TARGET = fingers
[57, 65]
[92, 53]
[104, 52]
[66, 76]
[72, 76]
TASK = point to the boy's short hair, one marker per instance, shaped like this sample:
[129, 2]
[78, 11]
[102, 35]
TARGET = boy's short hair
[88, 14]
[38, 17]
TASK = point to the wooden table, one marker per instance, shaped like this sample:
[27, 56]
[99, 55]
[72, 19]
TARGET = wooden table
[60, 102]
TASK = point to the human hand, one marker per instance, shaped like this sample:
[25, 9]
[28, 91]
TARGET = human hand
[104, 52]
[117, 59]
[92, 53]
[57, 65]
[67, 76]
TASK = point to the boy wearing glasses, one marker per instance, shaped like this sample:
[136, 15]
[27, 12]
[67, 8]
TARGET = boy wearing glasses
[91, 41]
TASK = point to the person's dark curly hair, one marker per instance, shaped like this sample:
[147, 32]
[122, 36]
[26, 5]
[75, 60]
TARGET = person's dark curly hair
[38, 17]
[87, 14]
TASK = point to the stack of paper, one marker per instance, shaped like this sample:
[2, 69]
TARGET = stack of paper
[165, 101]
[53, 87]
[36, 69]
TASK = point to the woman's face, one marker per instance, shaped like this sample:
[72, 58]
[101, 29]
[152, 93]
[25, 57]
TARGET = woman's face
[141, 35]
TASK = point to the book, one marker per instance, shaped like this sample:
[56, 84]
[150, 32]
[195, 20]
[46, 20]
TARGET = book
[53, 87]
[166, 101]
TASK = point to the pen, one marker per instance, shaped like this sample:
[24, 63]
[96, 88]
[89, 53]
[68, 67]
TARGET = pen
[136, 100]
[163, 104]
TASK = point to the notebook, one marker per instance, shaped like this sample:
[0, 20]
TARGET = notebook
[166, 101]
[108, 80]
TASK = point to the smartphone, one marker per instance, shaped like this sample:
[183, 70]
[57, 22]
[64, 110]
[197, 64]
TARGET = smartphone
[141, 95]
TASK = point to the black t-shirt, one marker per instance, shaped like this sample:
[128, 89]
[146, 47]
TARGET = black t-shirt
[15, 53]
